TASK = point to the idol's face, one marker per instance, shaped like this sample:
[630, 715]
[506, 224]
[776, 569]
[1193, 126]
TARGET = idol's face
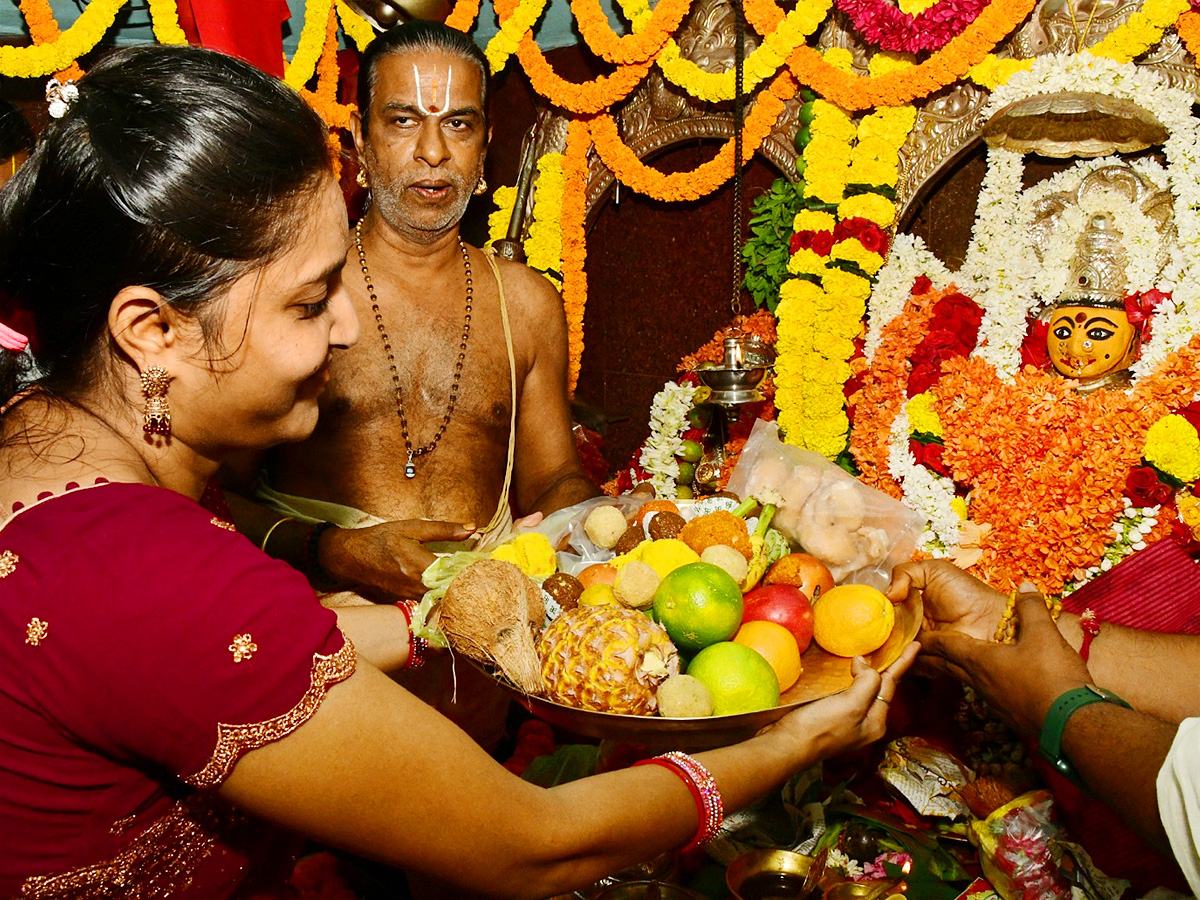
[1085, 342]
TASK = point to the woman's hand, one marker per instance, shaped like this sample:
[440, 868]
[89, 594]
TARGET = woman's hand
[1020, 680]
[389, 557]
[952, 599]
[853, 718]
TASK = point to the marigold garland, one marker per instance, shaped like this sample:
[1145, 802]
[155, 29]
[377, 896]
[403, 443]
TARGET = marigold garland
[164, 20]
[648, 39]
[55, 51]
[853, 92]
[324, 98]
[516, 25]
[584, 99]
[543, 246]
[464, 14]
[303, 64]
[1187, 27]
[574, 243]
[356, 27]
[706, 177]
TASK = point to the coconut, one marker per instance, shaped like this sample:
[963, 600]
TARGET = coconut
[492, 612]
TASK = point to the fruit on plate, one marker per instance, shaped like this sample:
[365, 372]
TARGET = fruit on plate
[783, 604]
[775, 644]
[804, 571]
[606, 659]
[490, 612]
[699, 604]
[739, 679]
[597, 573]
[853, 619]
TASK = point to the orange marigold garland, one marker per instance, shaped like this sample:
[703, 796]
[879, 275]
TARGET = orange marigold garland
[1187, 27]
[43, 28]
[628, 49]
[583, 99]
[464, 14]
[882, 395]
[1047, 465]
[574, 243]
[854, 92]
[708, 176]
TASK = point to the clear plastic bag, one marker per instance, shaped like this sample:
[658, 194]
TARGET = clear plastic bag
[858, 532]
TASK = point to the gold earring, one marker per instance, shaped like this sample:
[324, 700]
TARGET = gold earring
[156, 416]
[481, 187]
[361, 179]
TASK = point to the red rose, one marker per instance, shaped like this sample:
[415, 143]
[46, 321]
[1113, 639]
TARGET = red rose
[866, 232]
[820, 242]
[921, 285]
[930, 456]
[1144, 488]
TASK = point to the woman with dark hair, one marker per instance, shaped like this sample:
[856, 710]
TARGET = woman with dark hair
[174, 705]
[16, 141]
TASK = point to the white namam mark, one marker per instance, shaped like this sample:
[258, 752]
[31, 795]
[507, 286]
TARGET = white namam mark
[425, 111]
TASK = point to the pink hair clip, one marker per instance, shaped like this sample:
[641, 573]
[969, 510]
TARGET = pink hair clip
[13, 340]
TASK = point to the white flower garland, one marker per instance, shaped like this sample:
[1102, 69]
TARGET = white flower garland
[909, 257]
[997, 265]
[668, 421]
[925, 491]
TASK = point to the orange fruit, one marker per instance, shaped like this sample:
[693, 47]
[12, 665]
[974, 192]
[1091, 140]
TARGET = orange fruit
[699, 604]
[597, 573]
[776, 645]
[852, 620]
[738, 678]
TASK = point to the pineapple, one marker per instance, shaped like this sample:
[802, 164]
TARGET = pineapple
[606, 659]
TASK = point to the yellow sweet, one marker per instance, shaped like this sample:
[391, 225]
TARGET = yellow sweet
[532, 553]
[663, 556]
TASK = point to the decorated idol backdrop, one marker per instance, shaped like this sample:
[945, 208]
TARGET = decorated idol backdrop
[1016, 364]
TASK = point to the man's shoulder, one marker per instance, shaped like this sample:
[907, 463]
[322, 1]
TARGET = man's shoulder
[529, 293]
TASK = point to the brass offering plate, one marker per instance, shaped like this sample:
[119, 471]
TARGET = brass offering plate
[824, 674]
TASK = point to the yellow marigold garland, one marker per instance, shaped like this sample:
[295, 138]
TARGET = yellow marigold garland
[504, 198]
[356, 27]
[516, 24]
[53, 50]
[1173, 447]
[164, 19]
[574, 243]
[303, 65]
[544, 246]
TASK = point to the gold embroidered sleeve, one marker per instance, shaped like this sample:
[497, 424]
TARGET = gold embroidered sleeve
[235, 740]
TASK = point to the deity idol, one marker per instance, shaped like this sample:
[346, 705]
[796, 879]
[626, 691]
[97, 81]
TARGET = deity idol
[1091, 337]
[1096, 326]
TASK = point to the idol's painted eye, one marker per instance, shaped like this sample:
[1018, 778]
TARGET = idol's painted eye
[1100, 333]
[1063, 332]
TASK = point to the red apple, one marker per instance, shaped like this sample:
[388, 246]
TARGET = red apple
[784, 604]
[804, 571]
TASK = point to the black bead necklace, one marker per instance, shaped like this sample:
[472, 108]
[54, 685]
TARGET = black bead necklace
[410, 468]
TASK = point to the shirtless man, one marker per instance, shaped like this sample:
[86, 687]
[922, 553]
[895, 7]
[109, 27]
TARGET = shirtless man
[417, 419]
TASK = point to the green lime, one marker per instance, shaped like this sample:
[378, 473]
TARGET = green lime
[684, 492]
[691, 451]
[801, 165]
[699, 417]
[803, 136]
[807, 114]
[687, 472]
[699, 604]
[739, 679]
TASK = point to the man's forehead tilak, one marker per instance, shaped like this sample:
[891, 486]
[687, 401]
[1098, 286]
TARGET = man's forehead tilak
[433, 103]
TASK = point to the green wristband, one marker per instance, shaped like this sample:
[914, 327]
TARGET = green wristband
[1050, 743]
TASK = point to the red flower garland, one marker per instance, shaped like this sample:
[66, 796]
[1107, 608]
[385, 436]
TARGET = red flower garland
[931, 29]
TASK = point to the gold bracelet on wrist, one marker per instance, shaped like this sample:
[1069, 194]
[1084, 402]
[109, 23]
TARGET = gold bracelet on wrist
[270, 531]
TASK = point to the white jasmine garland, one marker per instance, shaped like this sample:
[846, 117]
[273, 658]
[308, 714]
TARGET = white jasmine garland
[908, 258]
[925, 491]
[668, 421]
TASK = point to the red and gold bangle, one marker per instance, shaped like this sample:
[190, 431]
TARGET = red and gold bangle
[418, 647]
[1089, 624]
[703, 787]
